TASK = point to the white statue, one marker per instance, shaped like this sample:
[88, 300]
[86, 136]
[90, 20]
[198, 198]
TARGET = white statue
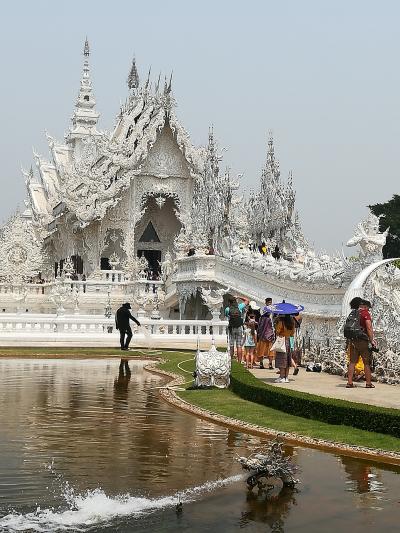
[213, 299]
[59, 294]
[368, 237]
[166, 266]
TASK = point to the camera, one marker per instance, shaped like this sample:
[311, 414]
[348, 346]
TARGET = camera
[373, 348]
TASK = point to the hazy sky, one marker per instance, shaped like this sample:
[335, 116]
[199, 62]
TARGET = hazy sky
[323, 75]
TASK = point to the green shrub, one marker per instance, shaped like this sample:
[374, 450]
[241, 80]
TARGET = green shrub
[331, 410]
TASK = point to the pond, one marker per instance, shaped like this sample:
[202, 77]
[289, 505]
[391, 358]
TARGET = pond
[87, 447]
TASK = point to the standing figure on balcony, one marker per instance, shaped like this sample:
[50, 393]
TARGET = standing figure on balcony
[122, 317]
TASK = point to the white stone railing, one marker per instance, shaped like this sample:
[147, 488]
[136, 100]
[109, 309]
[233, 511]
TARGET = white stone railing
[256, 285]
[91, 294]
[112, 276]
[96, 330]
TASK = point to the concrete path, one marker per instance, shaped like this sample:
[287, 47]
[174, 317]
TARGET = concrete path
[330, 386]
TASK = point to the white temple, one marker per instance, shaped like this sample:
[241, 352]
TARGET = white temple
[107, 211]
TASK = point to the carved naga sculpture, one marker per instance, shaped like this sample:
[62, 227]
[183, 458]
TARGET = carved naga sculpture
[270, 470]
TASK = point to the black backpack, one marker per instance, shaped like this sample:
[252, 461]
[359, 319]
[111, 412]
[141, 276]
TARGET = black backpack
[352, 327]
[235, 317]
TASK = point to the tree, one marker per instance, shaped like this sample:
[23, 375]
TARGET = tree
[390, 218]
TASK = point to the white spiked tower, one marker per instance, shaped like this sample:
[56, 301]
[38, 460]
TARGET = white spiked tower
[85, 117]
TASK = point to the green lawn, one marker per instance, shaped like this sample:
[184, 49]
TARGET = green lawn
[227, 403]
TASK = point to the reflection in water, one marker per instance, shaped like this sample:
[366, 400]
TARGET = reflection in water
[269, 510]
[365, 481]
[121, 383]
[359, 472]
[103, 427]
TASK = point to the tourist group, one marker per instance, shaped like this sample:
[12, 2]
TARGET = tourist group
[273, 334]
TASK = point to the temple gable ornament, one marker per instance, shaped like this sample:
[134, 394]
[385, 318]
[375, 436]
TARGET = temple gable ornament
[165, 158]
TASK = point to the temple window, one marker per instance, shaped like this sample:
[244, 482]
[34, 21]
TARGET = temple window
[149, 234]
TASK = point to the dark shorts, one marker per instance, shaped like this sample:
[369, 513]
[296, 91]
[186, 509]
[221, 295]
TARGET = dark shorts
[359, 348]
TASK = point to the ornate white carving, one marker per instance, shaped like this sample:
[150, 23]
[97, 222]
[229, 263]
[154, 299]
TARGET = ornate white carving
[369, 238]
[114, 260]
[213, 368]
[59, 294]
[135, 268]
[213, 299]
[21, 254]
[68, 268]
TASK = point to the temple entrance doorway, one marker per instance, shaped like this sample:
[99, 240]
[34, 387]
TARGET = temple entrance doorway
[156, 231]
[153, 258]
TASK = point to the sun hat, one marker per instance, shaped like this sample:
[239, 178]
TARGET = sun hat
[254, 306]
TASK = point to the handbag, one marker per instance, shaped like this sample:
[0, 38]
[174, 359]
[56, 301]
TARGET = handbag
[279, 345]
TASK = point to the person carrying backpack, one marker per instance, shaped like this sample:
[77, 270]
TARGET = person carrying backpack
[360, 339]
[235, 312]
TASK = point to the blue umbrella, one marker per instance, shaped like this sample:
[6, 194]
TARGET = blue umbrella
[283, 308]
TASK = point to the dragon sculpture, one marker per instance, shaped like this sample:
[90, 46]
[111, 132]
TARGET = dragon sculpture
[271, 470]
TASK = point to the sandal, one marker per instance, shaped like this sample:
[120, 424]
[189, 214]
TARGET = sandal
[369, 386]
[350, 386]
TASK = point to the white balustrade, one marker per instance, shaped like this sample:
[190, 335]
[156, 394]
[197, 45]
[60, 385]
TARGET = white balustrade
[97, 330]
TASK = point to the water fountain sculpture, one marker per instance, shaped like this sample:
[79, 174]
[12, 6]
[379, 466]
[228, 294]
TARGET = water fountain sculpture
[269, 470]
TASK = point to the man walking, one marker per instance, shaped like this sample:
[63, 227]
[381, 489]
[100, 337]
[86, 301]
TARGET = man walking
[235, 312]
[122, 317]
[358, 330]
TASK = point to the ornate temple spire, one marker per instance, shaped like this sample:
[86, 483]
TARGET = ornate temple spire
[85, 117]
[133, 77]
[212, 157]
[272, 164]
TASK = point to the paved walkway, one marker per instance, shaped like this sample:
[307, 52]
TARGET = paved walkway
[330, 386]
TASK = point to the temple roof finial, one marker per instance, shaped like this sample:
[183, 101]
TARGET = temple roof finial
[148, 79]
[85, 117]
[169, 88]
[86, 49]
[272, 164]
[158, 83]
[133, 77]
[270, 141]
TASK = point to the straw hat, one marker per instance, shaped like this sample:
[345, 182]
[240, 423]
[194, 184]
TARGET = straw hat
[254, 306]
